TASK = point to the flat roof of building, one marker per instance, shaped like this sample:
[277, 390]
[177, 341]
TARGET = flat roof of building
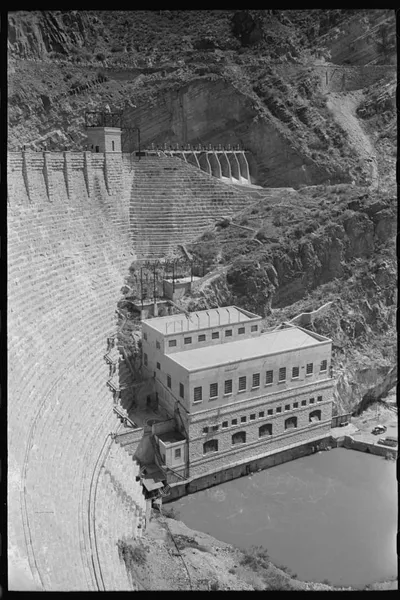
[281, 340]
[170, 437]
[201, 319]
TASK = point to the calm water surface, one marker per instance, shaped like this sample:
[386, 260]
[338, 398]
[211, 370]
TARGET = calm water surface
[332, 515]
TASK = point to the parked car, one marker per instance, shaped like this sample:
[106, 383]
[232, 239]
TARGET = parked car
[379, 429]
[388, 441]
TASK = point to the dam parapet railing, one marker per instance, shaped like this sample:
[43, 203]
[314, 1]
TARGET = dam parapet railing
[35, 176]
[54, 175]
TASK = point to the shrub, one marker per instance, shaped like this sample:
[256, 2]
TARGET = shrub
[255, 557]
[100, 56]
[208, 235]
[131, 555]
[277, 582]
[170, 513]
[214, 586]
[184, 541]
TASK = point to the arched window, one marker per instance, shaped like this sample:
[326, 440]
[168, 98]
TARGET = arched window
[239, 437]
[210, 446]
[315, 416]
[291, 423]
[265, 430]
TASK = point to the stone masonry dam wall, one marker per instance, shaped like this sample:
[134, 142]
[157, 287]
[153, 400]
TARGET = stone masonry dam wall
[75, 221]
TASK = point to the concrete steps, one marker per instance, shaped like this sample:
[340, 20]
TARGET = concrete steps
[66, 265]
[120, 515]
[173, 202]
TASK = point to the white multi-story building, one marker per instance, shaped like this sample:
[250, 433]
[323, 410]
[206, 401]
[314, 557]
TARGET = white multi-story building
[235, 393]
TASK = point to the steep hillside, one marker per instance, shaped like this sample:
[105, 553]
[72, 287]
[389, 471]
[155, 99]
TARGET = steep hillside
[319, 245]
[257, 78]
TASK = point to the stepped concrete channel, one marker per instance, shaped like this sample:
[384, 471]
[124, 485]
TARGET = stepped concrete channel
[76, 221]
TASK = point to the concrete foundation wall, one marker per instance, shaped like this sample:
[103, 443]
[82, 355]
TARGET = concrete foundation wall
[244, 468]
[229, 454]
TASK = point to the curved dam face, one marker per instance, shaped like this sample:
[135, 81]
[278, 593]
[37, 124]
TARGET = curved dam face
[76, 222]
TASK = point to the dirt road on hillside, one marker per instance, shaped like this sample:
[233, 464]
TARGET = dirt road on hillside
[343, 107]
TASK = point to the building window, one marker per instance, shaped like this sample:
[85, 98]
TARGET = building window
[234, 422]
[198, 394]
[287, 406]
[112, 145]
[158, 345]
[278, 409]
[254, 328]
[224, 424]
[205, 429]
[215, 427]
[312, 400]
[187, 340]
[309, 368]
[228, 386]
[295, 405]
[241, 330]
[282, 374]
[243, 419]
[228, 333]
[145, 336]
[213, 390]
[210, 446]
[202, 337]
[270, 411]
[169, 381]
[324, 365]
[215, 335]
[145, 359]
[319, 398]
[304, 402]
[97, 148]
[265, 430]
[269, 377]
[252, 417]
[315, 416]
[239, 438]
[158, 366]
[181, 390]
[163, 458]
[256, 380]
[295, 372]
[177, 453]
[291, 423]
[171, 343]
[242, 383]
[261, 414]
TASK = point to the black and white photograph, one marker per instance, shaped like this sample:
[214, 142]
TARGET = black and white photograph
[201, 300]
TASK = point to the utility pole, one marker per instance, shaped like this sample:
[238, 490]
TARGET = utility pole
[141, 285]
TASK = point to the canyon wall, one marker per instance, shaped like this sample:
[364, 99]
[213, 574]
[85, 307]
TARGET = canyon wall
[184, 116]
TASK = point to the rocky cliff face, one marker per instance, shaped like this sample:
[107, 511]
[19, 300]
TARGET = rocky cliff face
[245, 77]
[343, 254]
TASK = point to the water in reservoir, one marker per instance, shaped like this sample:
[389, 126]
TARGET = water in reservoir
[331, 515]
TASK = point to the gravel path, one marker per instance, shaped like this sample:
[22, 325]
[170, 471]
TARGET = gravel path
[343, 106]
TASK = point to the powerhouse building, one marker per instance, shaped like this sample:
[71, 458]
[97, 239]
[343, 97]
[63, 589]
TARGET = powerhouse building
[235, 394]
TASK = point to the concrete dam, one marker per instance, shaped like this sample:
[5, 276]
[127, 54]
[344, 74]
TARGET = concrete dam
[76, 221]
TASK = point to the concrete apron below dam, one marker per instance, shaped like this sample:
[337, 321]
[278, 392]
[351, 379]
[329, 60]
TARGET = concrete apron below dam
[337, 439]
